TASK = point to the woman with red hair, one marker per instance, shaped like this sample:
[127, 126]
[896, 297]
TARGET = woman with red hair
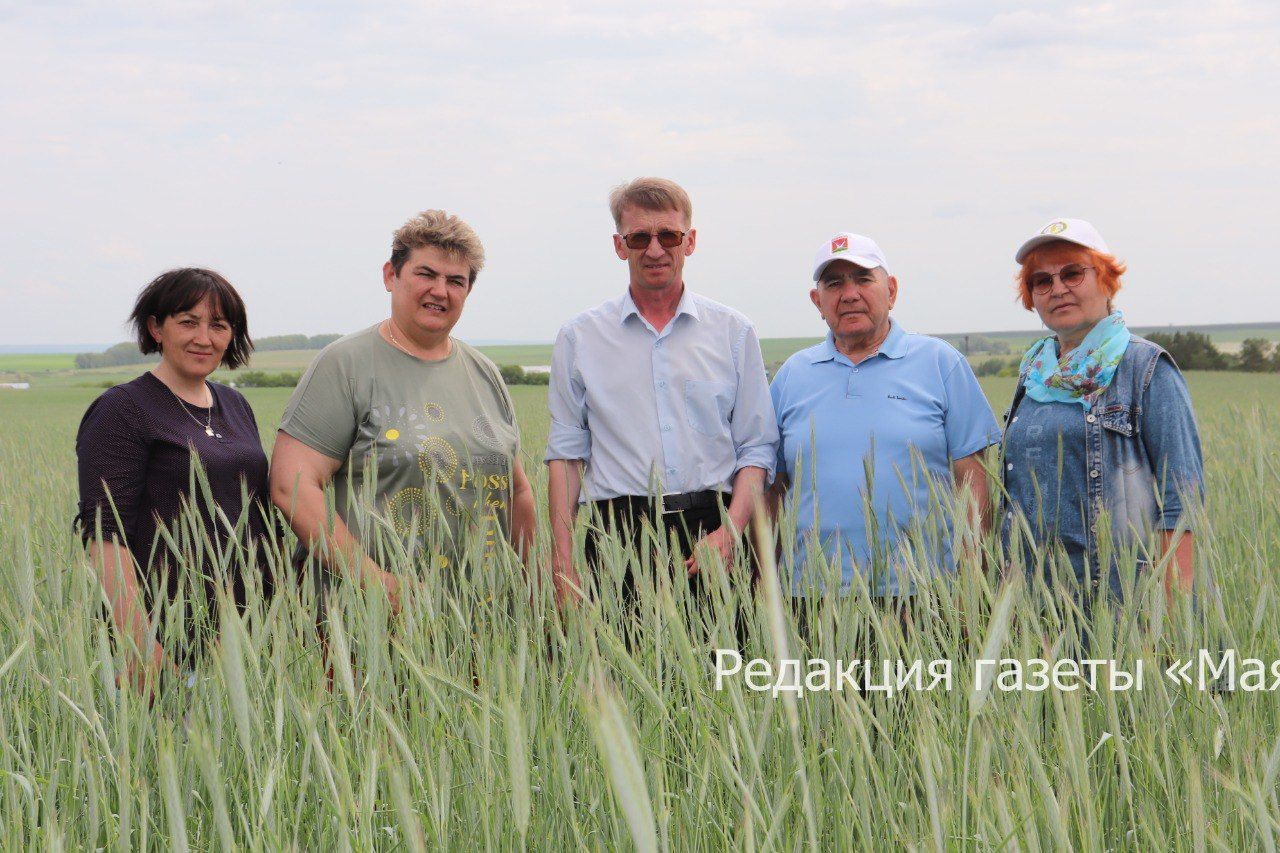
[1101, 453]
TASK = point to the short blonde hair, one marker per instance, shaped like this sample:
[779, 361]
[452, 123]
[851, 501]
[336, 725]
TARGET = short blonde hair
[442, 230]
[650, 194]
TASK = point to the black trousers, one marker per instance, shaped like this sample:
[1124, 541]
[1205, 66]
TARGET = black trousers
[625, 518]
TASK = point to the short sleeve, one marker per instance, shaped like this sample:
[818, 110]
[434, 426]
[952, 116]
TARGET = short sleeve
[969, 423]
[503, 393]
[1172, 441]
[322, 413]
[510, 405]
[111, 463]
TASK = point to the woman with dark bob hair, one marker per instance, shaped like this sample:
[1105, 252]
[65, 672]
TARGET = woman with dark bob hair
[1101, 451]
[150, 523]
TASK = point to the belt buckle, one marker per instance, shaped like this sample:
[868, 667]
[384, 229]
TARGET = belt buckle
[666, 511]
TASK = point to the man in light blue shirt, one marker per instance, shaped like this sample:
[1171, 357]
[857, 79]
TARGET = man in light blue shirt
[658, 390]
[873, 420]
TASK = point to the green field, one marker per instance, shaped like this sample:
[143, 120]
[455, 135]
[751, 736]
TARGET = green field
[777, 350]
[58, 370]
[484, 720]
[1221, 333]
[35, 362]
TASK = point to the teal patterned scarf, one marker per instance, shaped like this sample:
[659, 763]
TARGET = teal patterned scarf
[1083, 375]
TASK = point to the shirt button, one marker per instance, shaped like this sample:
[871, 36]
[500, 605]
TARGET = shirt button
[1010, 515]
[662, 383]
[1015, 420]
[1094, 473]
[855, 370]
[671, 470]
[666, 427]
[1090, 418]
[1009, 467]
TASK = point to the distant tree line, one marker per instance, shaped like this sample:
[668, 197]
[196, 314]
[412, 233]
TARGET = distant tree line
[977, 344]
[127, 353]
[998, 367]
[1196, 351]
[260, 379]
[278, 342]
[1191, 350]
[514, 374]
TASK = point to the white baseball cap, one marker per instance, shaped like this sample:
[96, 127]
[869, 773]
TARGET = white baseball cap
[1072, 230]
[853, 248]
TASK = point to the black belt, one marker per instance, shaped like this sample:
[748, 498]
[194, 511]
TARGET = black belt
[669, 503]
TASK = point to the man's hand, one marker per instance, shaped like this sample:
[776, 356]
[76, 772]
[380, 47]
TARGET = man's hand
[720, 541]
[564, 486]
[566, 582]
[748, 484]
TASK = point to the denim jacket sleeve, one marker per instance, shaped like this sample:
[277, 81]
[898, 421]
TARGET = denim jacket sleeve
[1172, 442]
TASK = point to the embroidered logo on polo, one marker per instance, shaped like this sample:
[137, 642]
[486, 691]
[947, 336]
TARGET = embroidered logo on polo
[839, 244]
[1055, 227]
[896, 397]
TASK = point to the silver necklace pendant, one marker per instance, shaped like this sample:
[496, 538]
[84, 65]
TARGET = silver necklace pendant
[208, 431]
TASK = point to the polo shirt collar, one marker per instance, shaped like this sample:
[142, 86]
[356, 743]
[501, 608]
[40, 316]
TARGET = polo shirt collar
[825, 351]
[894, 346]
[687, 305]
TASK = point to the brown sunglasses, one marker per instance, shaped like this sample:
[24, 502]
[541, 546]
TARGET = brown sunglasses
[641, 239]
[1072, 275]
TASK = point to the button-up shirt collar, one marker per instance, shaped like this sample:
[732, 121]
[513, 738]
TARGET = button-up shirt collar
[687, 305]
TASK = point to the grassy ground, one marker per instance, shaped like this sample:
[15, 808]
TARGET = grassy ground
[32, 362]
[482, 719]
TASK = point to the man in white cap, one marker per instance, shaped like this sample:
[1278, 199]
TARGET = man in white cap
[872, 419]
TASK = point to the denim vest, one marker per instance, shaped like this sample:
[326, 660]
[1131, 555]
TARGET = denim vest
[1120, 476]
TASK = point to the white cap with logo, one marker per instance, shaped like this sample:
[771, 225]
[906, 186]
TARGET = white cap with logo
[853, 248]
[1072, 230]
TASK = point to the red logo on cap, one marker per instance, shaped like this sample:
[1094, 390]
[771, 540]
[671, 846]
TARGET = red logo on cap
[840, 244]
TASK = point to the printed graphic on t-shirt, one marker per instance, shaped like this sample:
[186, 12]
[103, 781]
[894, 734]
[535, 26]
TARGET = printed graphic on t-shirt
[462, 490]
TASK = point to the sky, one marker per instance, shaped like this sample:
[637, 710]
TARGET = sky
[282, 143]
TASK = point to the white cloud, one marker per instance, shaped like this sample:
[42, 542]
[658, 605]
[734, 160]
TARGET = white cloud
[283, 146]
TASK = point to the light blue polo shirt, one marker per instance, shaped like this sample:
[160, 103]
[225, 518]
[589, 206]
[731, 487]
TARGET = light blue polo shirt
[895, 420]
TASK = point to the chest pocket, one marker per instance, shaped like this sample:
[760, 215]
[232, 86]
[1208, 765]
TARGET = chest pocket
[1121, 419]
[707, 405]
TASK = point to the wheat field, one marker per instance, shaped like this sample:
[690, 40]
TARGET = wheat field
[481, 718]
